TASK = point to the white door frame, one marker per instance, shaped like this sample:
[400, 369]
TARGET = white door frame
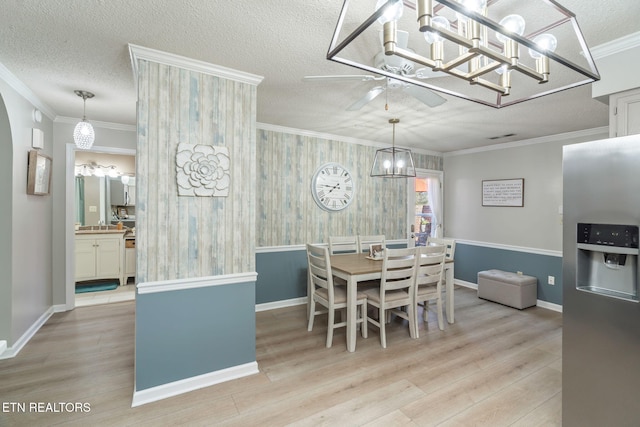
[411, 200]
[70, 243]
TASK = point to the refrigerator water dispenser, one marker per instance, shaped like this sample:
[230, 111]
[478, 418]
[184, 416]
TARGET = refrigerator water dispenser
[607, 260]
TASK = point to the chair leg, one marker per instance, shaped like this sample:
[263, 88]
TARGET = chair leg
[312, 314]
[363, 314]
[331, 315]
[440, 317]
[381, 321]
[413, 321]
[425, 311]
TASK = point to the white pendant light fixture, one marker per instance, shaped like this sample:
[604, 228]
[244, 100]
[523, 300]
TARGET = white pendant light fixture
[393, 162]
[83, 134]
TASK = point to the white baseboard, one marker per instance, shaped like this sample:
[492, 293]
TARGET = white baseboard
[281, 304]
[539, 303]
[465, 284]
[186, 385]
[3, 347]
[24, 339]
[60, 308]
[549, 306]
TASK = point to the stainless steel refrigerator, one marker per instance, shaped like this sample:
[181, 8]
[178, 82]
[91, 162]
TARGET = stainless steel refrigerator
[601, 313]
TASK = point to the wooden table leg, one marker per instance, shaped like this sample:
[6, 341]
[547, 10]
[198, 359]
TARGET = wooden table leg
[352, 286]
[449, 288]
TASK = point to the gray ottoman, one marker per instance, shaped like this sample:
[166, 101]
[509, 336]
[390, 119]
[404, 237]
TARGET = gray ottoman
[512, 289]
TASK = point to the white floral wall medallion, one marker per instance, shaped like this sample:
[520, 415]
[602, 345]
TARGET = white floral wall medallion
[203, 170]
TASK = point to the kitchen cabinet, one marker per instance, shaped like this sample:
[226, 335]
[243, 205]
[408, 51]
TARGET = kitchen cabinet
[122, 194]
[624, 113]
[129, 258]
[130, 194]
[99, 256]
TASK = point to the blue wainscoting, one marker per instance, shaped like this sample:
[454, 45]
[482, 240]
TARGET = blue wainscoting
[181, 334]
[282, 272]
[472, 258]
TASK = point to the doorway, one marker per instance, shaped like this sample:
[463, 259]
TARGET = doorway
[101, 204]
[424, 207]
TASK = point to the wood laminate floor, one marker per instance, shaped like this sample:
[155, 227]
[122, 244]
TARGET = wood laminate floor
[496, 366]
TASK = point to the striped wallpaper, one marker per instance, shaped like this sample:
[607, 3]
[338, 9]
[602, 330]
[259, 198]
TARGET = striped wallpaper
[185, 237]
[286, 211]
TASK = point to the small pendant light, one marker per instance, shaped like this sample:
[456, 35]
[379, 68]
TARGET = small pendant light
[83, 134]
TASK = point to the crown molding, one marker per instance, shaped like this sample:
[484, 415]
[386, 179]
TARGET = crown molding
[148, 54]
[616, 46]
[532, 141]
[25, 92]
[332, 137]
[98, 124]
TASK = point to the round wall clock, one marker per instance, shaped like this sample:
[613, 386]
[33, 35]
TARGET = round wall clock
[332, 187]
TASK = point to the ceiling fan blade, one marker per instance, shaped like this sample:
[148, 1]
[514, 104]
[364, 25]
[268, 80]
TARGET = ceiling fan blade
[424, 95]
[369, 96]
[347, 77]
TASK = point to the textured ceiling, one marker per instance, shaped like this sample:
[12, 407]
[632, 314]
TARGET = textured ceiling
[57, 46]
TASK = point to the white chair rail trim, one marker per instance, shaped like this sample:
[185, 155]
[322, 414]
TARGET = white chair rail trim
[175, 388]
[286, 248]
[537, 251]
[195, 282]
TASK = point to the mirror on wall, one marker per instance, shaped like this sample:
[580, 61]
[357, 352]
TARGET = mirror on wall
[104, 189]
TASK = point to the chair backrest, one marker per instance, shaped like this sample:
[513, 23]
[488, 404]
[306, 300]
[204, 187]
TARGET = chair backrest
[319, 266]
[430, 265]
[343, 244]
[450, 245]
[365, 242]
[398, 269]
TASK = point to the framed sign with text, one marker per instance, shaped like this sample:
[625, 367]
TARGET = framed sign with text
[503, 192]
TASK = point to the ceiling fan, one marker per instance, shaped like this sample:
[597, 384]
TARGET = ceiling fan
[392, 64]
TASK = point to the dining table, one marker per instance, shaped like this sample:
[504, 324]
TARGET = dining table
[354, 268]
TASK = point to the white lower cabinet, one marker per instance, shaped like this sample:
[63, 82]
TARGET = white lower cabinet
[99, 256]
[129, 260]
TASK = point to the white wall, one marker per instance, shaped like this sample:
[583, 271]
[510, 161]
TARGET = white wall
[6, 179]
[28, 284]
[109, 138]
[618, 63]
[537, 224]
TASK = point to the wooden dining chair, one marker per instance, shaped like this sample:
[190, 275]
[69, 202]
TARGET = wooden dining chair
[365, 242]
[429, 278]
[324, 292]
[450, 250]
[395, 291]
[343, 244]
[449, 244]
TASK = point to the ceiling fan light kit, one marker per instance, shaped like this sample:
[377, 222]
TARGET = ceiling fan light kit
[479, 42]
[83, 134]
[393, 162]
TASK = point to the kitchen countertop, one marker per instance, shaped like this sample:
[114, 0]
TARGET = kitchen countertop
[101, 231]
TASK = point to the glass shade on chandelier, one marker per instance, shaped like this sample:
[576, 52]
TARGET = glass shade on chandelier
[393, 162]
[83, 133]
[469, 48]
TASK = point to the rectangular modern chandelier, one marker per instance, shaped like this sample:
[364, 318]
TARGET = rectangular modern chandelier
[494, 52]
